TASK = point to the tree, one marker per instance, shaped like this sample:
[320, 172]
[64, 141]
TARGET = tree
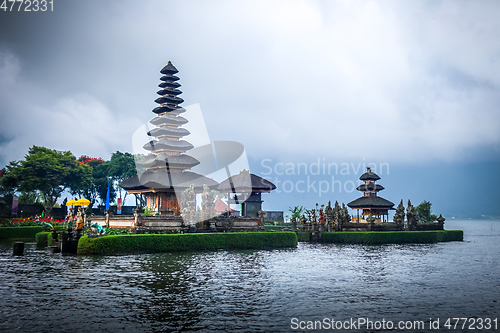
[29, 198]
[49, 172]
[90, 190]
[424, 212]
[296, 212]
[120, 167]
[8, 184]
[399, 217]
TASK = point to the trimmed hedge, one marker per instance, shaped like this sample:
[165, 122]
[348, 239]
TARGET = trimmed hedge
[19, 232]
[392, 237]
[277, 227]
[43, 239]
[303, 236]
[117, 244]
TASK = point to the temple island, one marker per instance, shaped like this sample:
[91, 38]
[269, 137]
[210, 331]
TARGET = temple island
[169, 186]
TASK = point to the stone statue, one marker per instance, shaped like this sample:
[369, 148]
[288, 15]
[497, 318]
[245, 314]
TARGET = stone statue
[411, 217]
[329, 216]
[345, 217]
[97, 228]
[79, 219]
[441, 220]
[69, 218]
[207, 204]
[188, 211]
[337, 220]
[399, 216]
[261, 214]
[47, 226]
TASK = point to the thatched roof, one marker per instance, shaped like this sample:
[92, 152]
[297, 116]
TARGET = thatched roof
[168, 119]
[162, 160]
[170, 145]
[169, 91]
[169, 78]
[169, 108]
[245, 182]
[369, 175]
[169, 99]
[370, 187]
[168, 131]
[160, 179]
[170, 84]
[371, 202]
[169, 69]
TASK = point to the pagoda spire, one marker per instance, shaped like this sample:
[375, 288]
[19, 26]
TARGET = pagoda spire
[167, 148]
[163, 173]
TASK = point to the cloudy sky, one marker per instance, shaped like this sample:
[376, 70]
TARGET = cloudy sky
[412, 85]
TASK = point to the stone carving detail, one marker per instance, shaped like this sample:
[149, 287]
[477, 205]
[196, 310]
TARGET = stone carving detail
[188, 211]
[411, 217]
[399, 216]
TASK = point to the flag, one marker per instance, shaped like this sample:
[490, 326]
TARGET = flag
[43, 213]
[119, 206]
[107, 197]
[15, 203]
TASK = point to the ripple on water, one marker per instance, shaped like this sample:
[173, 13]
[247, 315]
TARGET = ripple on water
[249, 291]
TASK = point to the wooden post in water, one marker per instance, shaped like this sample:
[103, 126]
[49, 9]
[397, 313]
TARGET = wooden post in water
[18, 248]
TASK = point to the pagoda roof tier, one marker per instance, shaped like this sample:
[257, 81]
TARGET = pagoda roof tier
[169, 91]
[168, 119]
[169, 108]
[161, 179]
[169, 145]
[169, 69]
[370, 187]
[168, 131]
[162, 159]
[369, 175]
[240, 184]
[169, 99]
[169, 78]
[370, 202]
[165, 84]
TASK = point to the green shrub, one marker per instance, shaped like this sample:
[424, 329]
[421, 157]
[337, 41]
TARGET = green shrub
[392, 237]
[304, 236]
[43, 239]
[19, 232]
[115, 244]
[116, 231]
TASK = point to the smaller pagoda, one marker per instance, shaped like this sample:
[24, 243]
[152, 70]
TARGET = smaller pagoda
[246, 189]
[370, 203]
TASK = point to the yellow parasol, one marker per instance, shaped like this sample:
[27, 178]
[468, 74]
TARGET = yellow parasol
[71, 203]
[82, 202]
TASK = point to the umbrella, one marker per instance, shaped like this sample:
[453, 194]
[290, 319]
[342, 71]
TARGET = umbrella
[82, 202]
[71, 203]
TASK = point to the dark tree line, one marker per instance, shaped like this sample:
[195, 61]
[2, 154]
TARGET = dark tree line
[45, 174]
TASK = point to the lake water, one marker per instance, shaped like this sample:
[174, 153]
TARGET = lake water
[258, 291]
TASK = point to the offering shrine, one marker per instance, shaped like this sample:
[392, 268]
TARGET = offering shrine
[370, 203]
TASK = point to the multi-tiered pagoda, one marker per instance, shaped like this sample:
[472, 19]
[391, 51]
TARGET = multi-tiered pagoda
[370, 203]
[163, 172]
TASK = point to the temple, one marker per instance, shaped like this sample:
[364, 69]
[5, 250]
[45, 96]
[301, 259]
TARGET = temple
[370, 203]
[247, 193]
[165, 169]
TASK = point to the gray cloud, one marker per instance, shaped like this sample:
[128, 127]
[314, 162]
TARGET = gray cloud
[399, 82]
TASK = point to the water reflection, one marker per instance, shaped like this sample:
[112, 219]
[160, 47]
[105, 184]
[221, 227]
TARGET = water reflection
[242, 291]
